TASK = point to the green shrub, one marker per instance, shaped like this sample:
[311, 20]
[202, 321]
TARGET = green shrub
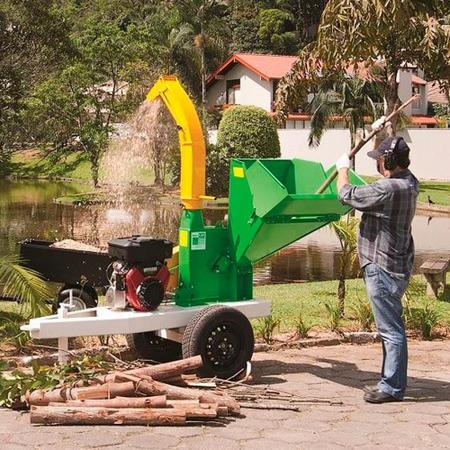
[244, 132]
[10, 331]
[303, 326]
[266, 326]
[334, 315]
[424, 318]
[363, 315]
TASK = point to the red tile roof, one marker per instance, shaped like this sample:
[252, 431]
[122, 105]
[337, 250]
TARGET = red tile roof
[268, 67]
[423, 120]
[417, 80]
[435, 94]
[415, 120]
[275, 67]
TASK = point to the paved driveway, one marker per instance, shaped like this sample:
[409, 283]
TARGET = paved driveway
[328, 373]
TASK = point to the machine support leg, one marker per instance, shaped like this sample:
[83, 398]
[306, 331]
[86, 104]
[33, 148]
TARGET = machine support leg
[63, 347]
[63, 342]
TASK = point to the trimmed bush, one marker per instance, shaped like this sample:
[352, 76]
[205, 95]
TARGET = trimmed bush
[244, 132]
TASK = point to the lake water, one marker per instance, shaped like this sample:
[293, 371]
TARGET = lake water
[27, 210]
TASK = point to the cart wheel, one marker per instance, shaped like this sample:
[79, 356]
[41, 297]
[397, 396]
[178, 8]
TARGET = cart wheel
[223, 337]
[80, 298]
[151, 346]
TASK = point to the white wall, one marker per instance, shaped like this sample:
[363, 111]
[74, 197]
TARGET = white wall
[405, 89]
[430, 150]
[254, 90]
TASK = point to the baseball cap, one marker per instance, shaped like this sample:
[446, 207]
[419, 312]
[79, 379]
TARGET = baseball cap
[386, 144]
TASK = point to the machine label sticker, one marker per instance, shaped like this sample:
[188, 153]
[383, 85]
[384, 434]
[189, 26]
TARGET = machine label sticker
[184, 240]
[198, 240]
[238, 172]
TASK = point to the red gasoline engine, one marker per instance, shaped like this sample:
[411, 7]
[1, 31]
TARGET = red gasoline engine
[140, 275]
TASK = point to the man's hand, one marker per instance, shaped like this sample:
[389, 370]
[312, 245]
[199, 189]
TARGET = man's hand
[342, 166]
[343, 162]
[380, 123]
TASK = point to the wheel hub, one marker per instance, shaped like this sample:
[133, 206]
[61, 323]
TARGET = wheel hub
[222, 346]
[77, 303]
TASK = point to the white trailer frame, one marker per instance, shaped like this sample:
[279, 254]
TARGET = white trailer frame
[167, 321]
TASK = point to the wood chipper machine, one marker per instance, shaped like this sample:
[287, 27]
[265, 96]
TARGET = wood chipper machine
[272, 203]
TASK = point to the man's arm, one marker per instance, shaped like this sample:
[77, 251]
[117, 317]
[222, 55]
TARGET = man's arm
[342, 166]
[363, 198]
[342, 179]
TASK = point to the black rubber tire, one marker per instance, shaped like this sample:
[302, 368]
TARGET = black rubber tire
[211, 331]
[82, 296]
[151, 346]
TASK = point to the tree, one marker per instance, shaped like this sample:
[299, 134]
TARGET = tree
[207, 18]
[388, 33]
[75, 110]
[244, 25]
[33, 43]
[244, 132]
[346, 231]
[350, 98]
[276, 32]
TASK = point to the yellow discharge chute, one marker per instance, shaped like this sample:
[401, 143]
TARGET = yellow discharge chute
[192, 141]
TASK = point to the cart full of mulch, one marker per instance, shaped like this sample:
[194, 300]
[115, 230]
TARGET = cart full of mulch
[70, 244]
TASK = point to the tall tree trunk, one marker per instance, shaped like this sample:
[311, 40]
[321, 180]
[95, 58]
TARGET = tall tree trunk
[392, 100]
[94, 167]
[341, 287]
[341, 296]
[203, 75]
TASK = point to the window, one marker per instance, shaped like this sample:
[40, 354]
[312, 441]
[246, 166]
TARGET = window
[233, 90]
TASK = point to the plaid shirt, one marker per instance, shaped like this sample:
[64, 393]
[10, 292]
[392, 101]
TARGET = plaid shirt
[388, 207]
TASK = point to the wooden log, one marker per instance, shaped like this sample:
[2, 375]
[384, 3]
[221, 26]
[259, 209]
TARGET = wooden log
[107, 390]
[160, 372]
[68, 415]
[222, 411]
[158, 401]
[175, 403]
[181, 393]
[198, 412]
[103, 391]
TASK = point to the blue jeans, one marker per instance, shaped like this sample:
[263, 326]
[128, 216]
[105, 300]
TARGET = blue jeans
[385, 292]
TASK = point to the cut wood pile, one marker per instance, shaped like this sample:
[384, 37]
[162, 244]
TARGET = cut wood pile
[150, 395]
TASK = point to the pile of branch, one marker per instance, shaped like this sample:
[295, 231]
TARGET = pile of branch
[149, 395]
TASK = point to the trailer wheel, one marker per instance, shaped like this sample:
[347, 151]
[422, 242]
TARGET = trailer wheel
[223, 336]
[80, 297]
[151, 346]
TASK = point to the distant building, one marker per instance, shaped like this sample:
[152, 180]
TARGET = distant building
[252, 79]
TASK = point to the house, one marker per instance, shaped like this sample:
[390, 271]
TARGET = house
[252, 79]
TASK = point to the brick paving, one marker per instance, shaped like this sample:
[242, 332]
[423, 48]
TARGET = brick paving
[329, 373]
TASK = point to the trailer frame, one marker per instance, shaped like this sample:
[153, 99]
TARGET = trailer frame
[168, 321]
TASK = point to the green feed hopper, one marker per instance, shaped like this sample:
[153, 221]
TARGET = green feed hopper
[272, 203]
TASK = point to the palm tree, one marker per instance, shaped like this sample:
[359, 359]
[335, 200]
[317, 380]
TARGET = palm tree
[352, 99]
[24, 284]
[346, 231]
[207, 20]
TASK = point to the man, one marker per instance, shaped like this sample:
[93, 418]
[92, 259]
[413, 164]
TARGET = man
[386, 253]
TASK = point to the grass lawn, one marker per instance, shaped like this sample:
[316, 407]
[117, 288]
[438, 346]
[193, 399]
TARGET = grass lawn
[30, 164]
[439, 191]
[308, 299]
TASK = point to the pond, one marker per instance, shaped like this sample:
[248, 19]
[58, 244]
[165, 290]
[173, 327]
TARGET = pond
[27, 209]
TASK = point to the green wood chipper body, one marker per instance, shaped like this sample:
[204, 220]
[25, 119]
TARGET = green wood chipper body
[272, 203]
